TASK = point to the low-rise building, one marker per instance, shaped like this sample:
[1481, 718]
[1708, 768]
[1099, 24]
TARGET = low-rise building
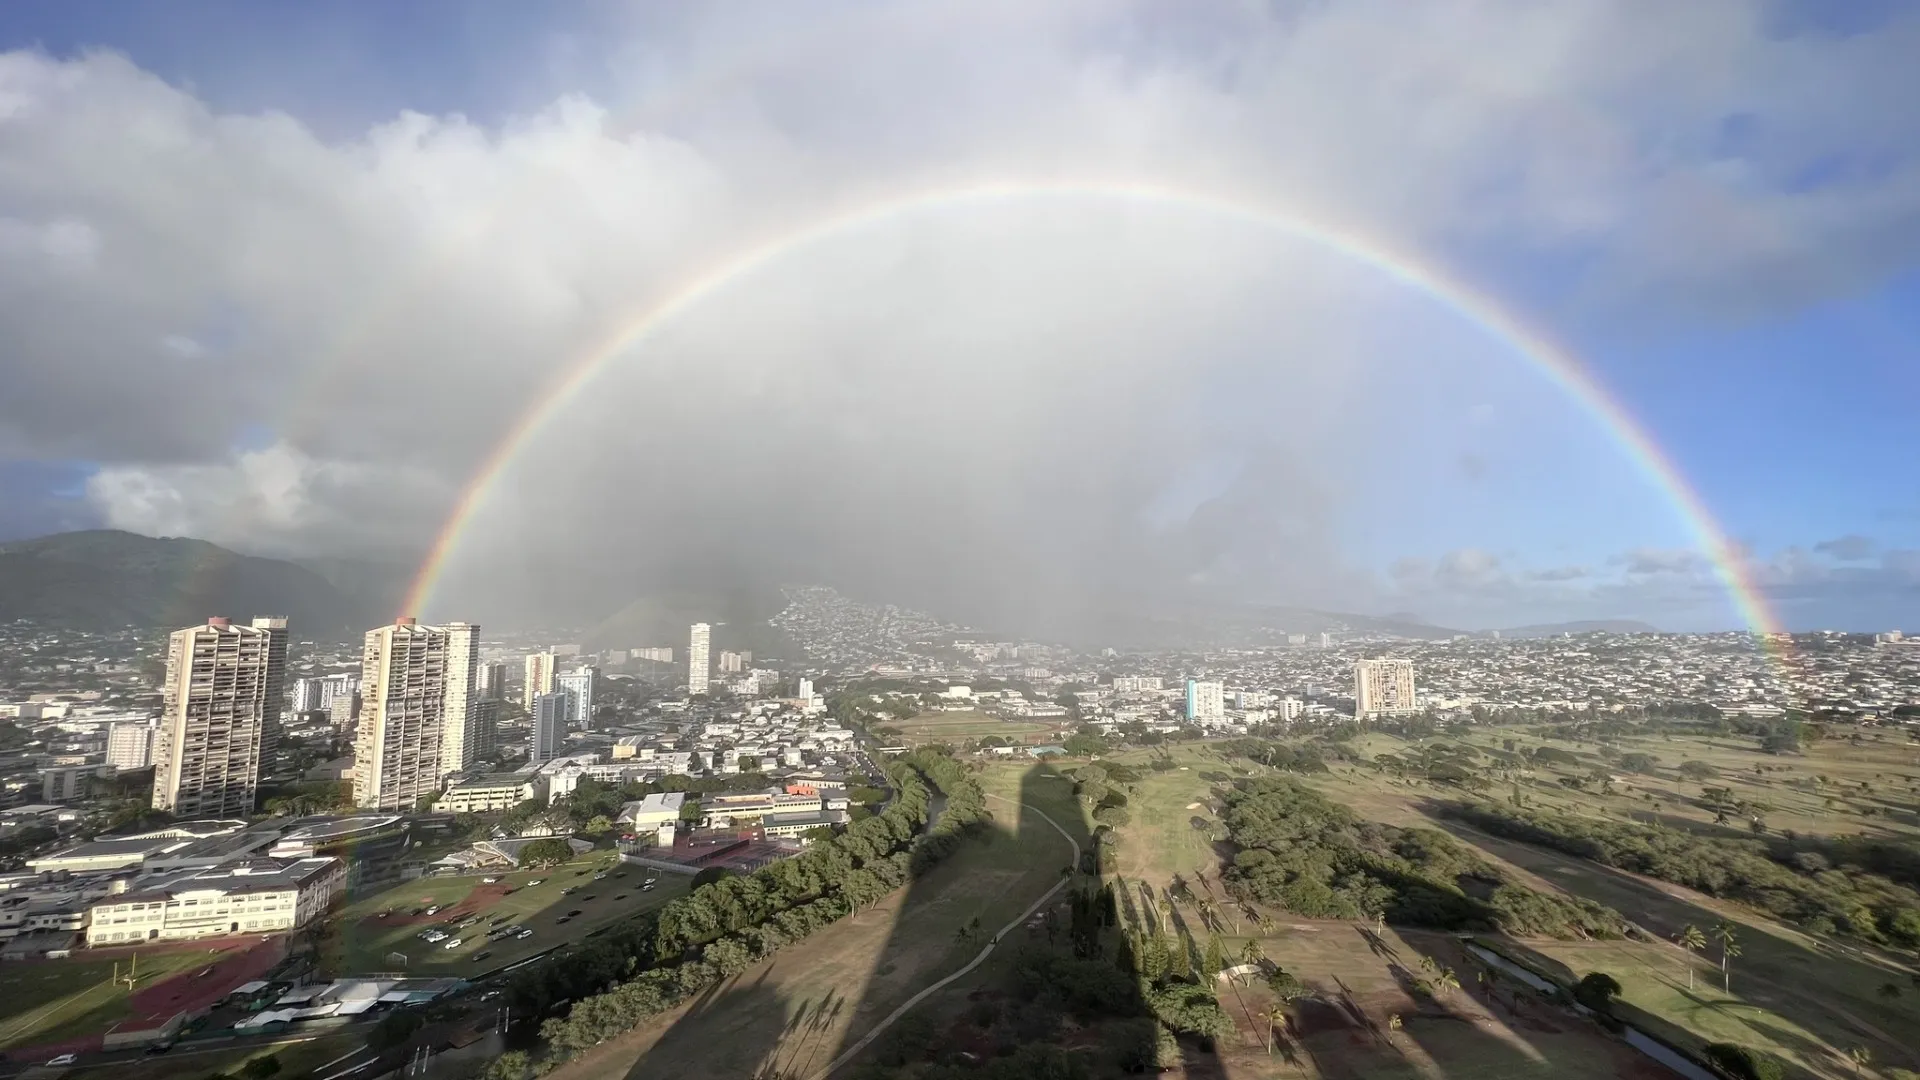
[262, 896]
[497, 791]
[648, 814]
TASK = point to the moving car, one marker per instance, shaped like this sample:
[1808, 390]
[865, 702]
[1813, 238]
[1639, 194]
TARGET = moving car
[481, 955]
[535, 881]
[454, 944]
[524, 934]
[63, 1059]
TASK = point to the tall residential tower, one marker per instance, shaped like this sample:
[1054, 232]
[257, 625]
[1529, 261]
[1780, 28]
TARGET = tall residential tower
[1382, 688]
[413, 679]
[697, 667]
[540, 670]
[221, 682]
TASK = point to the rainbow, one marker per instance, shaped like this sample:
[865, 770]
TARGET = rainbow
[1550, 359]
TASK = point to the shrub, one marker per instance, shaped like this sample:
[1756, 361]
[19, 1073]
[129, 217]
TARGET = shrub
[1744, 1063]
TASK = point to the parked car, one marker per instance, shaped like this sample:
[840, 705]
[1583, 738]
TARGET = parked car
[646, 886]
[481, 955]
[434, 910]
[619, 896]
[524, 934]
[564, 918]
[489, 881]
[535, 881]
[63, 1059]
[575, 911]
[601, 876]
[590, 896]
[453, 944]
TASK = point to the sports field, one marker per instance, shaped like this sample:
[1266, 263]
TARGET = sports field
[366, 932]
[46, 1001]
[959, 727]
[797, 1009]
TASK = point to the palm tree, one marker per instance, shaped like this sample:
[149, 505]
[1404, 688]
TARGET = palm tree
[1729, 948]
[1692, 940]
[1447, 981]
[1861, 1057]
[1428, 965]
[1889, 990]
[1251, 955]
[1275, 1015]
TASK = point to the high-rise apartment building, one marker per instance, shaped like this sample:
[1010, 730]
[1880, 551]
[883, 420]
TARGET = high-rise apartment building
[459, 742]
[221, 680]
[663, 655]
[404, 680]
[490, 681]
[1382, 688]
[485, 729]
[272, 728]
[578, 686]
[732, 663]
[549, 727]
[130, 745]
[540, 672]
[1206, 701]
[697, 668]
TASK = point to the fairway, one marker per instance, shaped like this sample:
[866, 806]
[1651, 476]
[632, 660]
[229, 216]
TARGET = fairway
[959, 727]
[43, 1001]
[363, 938]
[805, 1002]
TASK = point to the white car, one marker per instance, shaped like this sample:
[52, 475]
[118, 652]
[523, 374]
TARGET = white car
[535, 881]
[489, 881]
[523, 935]
[63, 1059]
[454, 944]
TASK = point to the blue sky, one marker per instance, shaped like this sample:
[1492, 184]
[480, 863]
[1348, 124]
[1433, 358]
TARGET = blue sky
[1713, 208]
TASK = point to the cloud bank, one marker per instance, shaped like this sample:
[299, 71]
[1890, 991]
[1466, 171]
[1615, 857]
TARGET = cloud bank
[307, 346]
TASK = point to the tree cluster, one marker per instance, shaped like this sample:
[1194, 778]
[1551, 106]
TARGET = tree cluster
[1304, 853]
[654, 962]
[1810, 893]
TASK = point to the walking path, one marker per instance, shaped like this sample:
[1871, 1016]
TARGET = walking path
[866, 1040]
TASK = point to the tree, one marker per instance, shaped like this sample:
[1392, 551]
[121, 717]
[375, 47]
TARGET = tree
[1889, 990]
[710, 875]
[1861, 1058]
[1729, 948]
[1597, 991]
[1692, 940]
[1251, 955]
[511, 1065]
[1275, 1015]
[544, 852]
[1744, 1063]
[1446, 981]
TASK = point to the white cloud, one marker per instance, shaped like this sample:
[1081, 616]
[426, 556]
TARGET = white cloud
[1028, 379]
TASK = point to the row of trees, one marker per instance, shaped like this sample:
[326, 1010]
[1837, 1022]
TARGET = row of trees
[1811, 893]
[1301, 852]
[656, 961]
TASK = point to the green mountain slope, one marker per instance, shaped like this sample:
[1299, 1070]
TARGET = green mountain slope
[104, 579]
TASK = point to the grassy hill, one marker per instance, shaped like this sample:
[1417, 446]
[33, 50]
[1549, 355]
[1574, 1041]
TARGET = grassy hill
[104, 579]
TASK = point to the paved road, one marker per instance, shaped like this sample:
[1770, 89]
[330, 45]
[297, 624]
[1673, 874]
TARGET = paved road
[886, 1022]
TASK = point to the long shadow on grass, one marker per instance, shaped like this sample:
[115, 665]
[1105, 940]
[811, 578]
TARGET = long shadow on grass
[1773, 970]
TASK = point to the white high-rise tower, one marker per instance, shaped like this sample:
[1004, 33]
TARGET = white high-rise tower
[221, 681]
[697, 667]
[460, 740]
[404, 677]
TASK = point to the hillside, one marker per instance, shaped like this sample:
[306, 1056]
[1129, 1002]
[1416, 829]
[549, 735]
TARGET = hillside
[105, 579]
[1589, 626]
[739, 617]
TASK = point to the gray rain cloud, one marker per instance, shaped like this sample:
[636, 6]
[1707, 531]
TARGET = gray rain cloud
[301, 345]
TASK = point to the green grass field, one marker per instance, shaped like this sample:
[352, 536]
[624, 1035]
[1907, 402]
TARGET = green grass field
[802, 1004]
[363, 939]
[46, 1001]
[958, 727]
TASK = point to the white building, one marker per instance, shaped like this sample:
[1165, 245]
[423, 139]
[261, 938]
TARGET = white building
[260, 896]
[541, 668]
[411, 682]
[130, 745]
[220, 687]
[578, 686]
[481, 794]
[648, 814]
[697, 668]
[1206, 701]
[490, 681]
[1136, 684]
[461, 740]
[1382, 688]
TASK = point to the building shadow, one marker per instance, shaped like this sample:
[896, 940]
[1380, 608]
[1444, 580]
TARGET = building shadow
[1040, 978]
